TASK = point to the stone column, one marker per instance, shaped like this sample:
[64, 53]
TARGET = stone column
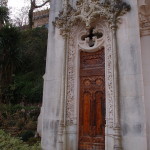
[144, 18]
[117, 133]
[132, 108]
[53, 93]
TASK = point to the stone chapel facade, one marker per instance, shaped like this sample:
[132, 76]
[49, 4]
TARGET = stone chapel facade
[97, 83]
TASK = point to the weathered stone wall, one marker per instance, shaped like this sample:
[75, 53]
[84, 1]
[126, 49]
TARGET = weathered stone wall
[132, 108]
[131, 89]
[53, 82]
[144, 18]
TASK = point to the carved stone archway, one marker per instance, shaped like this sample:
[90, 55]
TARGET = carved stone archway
[75, 45]
[73, 24]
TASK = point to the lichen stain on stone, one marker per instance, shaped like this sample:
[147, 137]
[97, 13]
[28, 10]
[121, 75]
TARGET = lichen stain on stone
[45, 124]
[125, 129]
[54, 127]
[133, 53]
[58, 111]
[54, 30]
[137, 129]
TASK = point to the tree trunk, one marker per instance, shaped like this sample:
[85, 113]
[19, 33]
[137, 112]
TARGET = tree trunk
[30, 18]
[33, 6]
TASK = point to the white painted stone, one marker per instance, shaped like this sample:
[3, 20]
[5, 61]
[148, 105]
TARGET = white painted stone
[131, 83]
[53, 90]
[132, 71]
[145, 42]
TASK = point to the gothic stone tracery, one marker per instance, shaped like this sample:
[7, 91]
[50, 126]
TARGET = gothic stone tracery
[72, 54]
[92, 13]
[88, 11]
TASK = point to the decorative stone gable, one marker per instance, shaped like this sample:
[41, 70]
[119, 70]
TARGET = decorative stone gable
[88, 11]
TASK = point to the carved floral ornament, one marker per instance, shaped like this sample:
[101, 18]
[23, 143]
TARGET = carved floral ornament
[79, 35]
[72, 23]
[144, 17]
[88, 11]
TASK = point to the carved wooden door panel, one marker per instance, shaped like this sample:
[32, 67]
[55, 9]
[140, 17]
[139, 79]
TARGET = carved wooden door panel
[92, 101]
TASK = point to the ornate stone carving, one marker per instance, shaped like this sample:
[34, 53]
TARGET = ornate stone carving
[144, 17]
[93, 13]
[106, 41]
[88, 11]
[91, 40]
[72, 54]
[109, 78]
[71, 77]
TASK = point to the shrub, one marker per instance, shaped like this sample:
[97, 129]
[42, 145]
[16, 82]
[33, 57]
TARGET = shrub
[32, 140]
[20, 123]
[25, 55]
[26, 135]
[10, 143]
[31, 125]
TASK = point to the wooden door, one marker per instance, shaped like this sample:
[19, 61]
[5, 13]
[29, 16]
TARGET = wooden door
[92, 101]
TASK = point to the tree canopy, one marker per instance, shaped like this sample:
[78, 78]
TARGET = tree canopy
[4, 16]
[22, 62]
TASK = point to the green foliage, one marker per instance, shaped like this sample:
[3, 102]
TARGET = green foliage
[4, 15]
[9, 37]
[29, 81]
[34, 140]
[26, 135]
[25, 64]
[11, 109]
[31, 125]
[19, 120]
[9, 52]
[10, 60]
[29, 86]
[10, 143]
[34, 44]
[20, 123]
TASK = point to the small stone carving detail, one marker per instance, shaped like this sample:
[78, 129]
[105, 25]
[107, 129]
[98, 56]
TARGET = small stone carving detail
[72, 54]
[93, 13]
[109, 80]
[144, 17]
[88, 11]
[71, 78]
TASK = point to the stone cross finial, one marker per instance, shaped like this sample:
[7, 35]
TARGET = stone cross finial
[90, 37]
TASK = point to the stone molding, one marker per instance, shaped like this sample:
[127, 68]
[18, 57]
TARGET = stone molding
[75, 45]
[144, 18]
[88, 11]
[70, 100]
[92, 14]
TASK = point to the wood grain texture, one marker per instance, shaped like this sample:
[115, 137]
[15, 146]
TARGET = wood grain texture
[92, 101]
